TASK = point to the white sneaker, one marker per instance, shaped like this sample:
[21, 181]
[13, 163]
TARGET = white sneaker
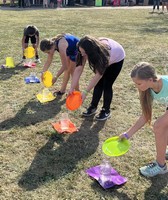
[153, 169]
[38, 60]
[23, 60]
[166, 154]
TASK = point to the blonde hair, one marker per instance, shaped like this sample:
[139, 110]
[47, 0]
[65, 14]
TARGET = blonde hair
[144, 71]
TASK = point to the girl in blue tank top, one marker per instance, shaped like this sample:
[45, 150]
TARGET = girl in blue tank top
[66, 46]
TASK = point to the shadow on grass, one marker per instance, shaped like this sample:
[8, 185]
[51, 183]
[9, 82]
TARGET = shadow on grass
[16, 8]
[54, 163]
[111, 192]
[154, 192]
[7, 73]
[33, 112]
[158, 25]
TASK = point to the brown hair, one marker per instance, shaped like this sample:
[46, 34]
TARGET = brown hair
[97, 52]
[30, 30]
[144, 71]
[46, 44]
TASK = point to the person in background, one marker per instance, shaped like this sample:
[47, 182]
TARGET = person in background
[59, 3]
[45, 3]
[105, 57]
[151, 87]
[12, 3]
[4, 2]
[52, 3]
[164, 3]
[21, 4]
[116, 3]
[156, 3]
[66, 45]
[32, 33]
[27, 3]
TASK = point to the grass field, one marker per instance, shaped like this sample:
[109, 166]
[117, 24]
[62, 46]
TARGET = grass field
[37, 163]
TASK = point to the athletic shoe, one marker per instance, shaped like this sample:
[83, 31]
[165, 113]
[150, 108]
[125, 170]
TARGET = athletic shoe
[59, 93]
[23, 59]
[153, 169]
[37, 60]
[103, 115]
[89, 112]
[166, 154]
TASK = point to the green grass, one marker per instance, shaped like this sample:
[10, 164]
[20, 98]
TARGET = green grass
[38, 163]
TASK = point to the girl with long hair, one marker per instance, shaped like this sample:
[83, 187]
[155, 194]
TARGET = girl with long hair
[151, 87]
[105, 57]
[66, 46]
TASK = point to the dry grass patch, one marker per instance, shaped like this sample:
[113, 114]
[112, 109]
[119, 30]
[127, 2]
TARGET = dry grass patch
[36, 162]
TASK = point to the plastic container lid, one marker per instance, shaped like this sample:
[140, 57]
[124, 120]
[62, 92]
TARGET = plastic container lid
[45, 96]
[115, 147]
[74, 101]
[29, 52]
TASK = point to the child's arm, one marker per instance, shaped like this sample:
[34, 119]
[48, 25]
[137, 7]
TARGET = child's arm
[76, 75]
[48, 62]
[62, 46]
[37, 38]
[138, 125]
[94, 81]
[75, 79]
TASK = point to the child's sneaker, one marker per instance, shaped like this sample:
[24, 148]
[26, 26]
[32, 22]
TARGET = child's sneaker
[166, 154]
[153, 169]
[23, 59]
[89, 112]
[103, 115]
[37, 60]
[59, 93]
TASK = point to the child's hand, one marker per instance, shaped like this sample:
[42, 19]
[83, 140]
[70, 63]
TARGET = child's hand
[83, 96]
[54, 80]
[123, 135]
[70, 92]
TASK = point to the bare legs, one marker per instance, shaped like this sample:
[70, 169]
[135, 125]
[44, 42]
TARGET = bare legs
[163, 5]
[69, 71]
[25, 46]
[36, 51]
[160, 129]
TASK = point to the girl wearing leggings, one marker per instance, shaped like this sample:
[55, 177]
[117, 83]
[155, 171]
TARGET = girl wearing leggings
[105, 57]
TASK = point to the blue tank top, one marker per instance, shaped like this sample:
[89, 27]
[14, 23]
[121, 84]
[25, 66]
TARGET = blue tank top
[162, 96]
[71, 50]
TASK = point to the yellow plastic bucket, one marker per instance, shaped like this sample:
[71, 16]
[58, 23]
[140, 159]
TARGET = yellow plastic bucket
[47, 79]
[45, 96]
[10, 62]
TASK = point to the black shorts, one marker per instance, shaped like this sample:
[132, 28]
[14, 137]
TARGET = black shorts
[33, 39]
[167, 108]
